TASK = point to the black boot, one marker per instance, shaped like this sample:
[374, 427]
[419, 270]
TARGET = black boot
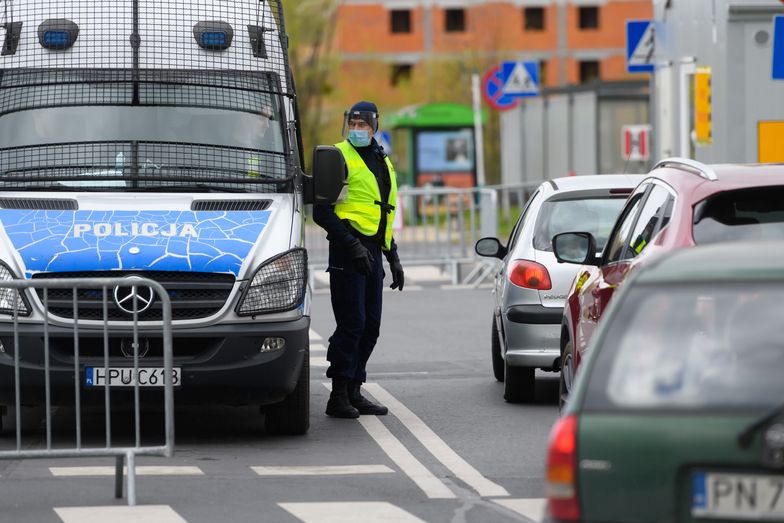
[338, 405]
[362, 404]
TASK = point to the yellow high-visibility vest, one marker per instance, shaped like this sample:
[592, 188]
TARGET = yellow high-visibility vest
[363, 206]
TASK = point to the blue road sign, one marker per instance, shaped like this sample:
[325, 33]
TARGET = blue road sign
[778, 48]
[492, 90]
[520, 79]
[639, 46]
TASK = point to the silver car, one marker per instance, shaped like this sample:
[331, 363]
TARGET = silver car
[530, 287]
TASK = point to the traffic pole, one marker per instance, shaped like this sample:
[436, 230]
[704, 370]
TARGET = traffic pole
[478, 132]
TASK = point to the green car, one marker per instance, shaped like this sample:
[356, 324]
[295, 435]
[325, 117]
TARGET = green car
[678, 413]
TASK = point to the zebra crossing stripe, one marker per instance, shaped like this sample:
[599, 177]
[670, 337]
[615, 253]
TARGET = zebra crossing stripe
[351, 512]
[119, 514]
[140, 471]
[333, 470]
[318, 361]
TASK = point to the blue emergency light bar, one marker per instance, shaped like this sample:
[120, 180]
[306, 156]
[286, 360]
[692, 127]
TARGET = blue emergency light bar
[214, 39]
[56, 39]
[57, 34]
[213, 35]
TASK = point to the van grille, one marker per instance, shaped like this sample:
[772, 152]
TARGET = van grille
[230, 205]
[44, 204]
[193, 295]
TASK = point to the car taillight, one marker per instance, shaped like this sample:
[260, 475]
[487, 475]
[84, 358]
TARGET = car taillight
[561, 485]
[531, 275]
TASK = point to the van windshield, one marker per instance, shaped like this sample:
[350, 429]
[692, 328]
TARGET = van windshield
[95, 131]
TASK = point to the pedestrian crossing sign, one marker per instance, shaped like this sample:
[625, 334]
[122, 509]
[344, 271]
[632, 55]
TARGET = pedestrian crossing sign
[640, 43]
[520, 79]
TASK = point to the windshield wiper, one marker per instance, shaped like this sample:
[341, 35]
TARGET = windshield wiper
[746, 436]
[195, 187]
[51, 188]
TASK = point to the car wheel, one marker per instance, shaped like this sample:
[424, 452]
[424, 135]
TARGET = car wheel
[519, 384]
[567, 375]
[495, 350]
[291, 417]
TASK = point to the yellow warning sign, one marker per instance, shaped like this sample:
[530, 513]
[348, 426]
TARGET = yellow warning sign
[703, 106]
[771, 142]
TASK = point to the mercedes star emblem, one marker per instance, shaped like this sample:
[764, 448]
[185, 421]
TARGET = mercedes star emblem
[124, 298]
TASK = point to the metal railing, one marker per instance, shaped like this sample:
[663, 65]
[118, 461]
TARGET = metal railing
[25, 331]
[439, 225]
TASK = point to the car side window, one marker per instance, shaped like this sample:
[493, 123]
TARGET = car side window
[648, 224]
[618, 239]
[520, 222]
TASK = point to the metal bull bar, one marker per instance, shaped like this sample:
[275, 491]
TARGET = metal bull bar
[17, 288]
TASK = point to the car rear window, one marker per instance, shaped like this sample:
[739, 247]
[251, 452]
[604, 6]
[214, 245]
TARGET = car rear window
[692, 346]
[594, 215]
[743, 215]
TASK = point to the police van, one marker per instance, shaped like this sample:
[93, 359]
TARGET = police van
[158, 138]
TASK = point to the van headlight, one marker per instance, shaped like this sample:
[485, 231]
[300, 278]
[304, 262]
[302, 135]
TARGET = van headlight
[277, 286]
[11, 299]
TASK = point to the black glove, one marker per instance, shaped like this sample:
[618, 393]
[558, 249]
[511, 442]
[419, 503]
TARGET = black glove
[363, 260]
[398, 278]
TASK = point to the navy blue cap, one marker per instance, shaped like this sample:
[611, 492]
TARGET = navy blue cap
[365, 107]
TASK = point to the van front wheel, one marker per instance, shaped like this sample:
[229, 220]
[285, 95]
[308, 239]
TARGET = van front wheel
[291, 417]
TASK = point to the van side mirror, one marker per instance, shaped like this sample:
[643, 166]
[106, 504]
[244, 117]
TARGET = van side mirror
[329, 176]
[575, 247]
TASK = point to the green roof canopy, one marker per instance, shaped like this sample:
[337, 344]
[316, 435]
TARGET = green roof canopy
[433, 115]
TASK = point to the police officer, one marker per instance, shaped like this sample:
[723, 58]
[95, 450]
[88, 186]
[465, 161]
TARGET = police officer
[359, 230]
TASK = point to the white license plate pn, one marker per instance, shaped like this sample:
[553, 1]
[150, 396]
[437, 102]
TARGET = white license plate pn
[738, 496]
[129, 377]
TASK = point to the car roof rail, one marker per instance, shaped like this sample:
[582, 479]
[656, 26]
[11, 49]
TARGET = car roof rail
[688, 164]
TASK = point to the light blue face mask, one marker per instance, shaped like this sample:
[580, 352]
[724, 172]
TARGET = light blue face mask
[359, 138]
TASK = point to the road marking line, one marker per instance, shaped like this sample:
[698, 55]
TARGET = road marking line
[317, 347]
[350, 512]
[433, 487]
[336, 470]
[314, 336]
[532, 509]
[318, 361]
[119, 514]
[437, 447]
[140, 471]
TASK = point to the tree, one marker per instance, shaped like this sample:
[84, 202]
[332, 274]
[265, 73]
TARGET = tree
[310, 25]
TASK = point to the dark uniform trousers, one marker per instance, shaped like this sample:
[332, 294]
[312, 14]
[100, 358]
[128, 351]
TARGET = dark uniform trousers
[356, 303]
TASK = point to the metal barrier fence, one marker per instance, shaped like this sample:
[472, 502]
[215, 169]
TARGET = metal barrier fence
[25, 323]
[439, 225]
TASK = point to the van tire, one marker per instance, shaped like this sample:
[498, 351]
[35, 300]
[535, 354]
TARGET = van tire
[291, 417]
[495, 350]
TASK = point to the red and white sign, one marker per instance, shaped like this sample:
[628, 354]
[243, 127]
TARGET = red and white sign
[636, 142]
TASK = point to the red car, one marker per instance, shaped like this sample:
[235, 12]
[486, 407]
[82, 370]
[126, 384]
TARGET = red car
[681, 203]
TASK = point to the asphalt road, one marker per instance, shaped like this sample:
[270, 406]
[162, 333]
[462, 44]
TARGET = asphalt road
[451, 449]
